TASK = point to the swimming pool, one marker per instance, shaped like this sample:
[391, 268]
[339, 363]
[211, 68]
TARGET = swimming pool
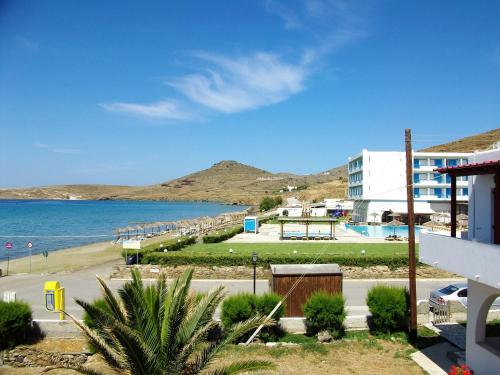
[382, 231]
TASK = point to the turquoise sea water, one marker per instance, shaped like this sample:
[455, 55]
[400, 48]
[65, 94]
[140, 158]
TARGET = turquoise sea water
[58, 224]
[382, 231]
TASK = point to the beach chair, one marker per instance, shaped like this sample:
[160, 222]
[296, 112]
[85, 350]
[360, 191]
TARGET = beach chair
[293, 238]
[317, 238]
[304, 238]
[327, 238]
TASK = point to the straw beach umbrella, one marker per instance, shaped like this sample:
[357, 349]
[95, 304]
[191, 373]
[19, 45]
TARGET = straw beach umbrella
[431, 224]
[394, 223]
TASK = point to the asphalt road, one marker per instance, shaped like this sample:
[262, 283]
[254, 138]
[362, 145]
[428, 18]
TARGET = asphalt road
[82, 284]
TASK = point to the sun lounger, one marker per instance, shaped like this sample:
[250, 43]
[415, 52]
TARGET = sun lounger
[304, 238]
[293, 238]
[317, 238]
[326, 237]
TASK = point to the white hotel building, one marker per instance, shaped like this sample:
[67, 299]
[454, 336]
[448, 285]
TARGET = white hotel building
[377, 184]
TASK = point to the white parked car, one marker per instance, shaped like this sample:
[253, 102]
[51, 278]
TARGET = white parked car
[454, 292]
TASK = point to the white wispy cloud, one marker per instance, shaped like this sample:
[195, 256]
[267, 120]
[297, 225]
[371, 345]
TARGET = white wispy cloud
[229, 84]
[243, 83]
[67, 151]
[59, 150]
[290, 19]
[163, 109]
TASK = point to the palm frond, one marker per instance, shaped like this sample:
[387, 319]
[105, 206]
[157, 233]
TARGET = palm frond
[111, 301]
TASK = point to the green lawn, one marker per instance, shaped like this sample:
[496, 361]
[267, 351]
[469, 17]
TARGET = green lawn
[390, 254]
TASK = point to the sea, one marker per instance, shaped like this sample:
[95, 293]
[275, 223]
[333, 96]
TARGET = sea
[58, 224]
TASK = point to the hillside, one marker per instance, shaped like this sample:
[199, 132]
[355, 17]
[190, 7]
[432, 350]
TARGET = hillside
[227, 181]
[468, 144]
[232, 182]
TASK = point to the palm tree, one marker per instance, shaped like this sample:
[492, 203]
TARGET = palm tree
[157, 329]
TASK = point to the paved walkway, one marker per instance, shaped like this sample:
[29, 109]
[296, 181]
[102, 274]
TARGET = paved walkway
[434, 359]
[453, 332]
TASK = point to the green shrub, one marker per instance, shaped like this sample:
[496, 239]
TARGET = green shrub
[325, 311]
[389, 307]
[222, 236]
[174, 244]
[243, 306]
[264, 260]
[265, 304]
[15, 321]
[268, 203]
[238, 308]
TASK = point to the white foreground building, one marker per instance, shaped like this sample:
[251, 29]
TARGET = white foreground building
[377, 184]
[476, 256]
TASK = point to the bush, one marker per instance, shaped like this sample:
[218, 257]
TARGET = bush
[15, 321]
[238, 308]
[235, 259]
[389, 307]
[268, 203]
[169, 245]
[243, 306]
[223, 236]
[325, 311]
[265, 304]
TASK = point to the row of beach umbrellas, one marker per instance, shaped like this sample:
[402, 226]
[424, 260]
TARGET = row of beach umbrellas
[199, 224]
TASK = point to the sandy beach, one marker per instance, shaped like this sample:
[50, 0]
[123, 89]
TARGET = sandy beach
[73, 259]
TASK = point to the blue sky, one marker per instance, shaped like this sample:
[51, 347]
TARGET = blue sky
[141, 92]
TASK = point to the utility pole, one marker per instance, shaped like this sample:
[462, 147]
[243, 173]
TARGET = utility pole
[411, 236]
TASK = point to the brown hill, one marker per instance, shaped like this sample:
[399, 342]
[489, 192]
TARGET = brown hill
[227, 181]
[473, 143]
[232, 182]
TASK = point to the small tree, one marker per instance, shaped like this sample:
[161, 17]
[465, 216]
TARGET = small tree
[268, 203]
[153, 330]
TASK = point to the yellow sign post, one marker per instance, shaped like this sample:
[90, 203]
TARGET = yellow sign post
[54, 298]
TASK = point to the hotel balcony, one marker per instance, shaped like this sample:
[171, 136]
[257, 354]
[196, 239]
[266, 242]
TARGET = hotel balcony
[473, 260]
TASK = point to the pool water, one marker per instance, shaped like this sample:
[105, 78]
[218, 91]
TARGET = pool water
[382, 231]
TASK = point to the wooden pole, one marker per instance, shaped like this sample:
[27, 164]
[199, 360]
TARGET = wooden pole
[453, 210]
[411, 236]
[496, 203]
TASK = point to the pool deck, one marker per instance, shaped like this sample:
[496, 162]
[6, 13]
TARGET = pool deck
[269, 233]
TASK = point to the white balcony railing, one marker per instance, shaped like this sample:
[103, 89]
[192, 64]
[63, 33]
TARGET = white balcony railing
[473, 260]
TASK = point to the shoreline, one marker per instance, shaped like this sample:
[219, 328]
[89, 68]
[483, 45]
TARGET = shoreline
[72, 258]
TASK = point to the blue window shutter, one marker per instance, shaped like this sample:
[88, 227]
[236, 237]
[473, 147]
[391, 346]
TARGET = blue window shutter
[416, 177]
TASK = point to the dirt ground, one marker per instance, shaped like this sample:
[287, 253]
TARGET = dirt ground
[358, 356]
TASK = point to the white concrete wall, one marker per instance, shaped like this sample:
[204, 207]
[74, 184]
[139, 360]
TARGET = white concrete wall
[384, 175]
[318, 211]
[481, 200]
[470, 259]
[482, 357]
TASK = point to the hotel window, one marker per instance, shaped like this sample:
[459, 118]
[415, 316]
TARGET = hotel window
[452, 162]
[423, 177]
[437, 162]
[465, 192]
[448, 179]
[438, 192]
[465, 178]
[416, 177]
[448, 192]
[416, 192]
[417, 163]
